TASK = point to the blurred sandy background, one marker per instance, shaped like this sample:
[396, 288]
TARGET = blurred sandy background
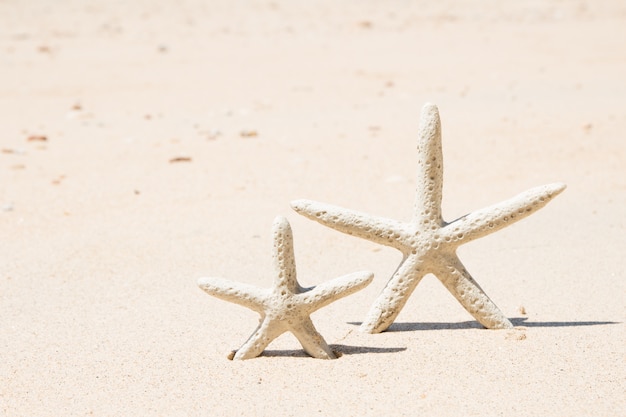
[145, 144]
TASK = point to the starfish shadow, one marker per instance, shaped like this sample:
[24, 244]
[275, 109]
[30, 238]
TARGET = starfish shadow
[522, 321]
[519, 321]
[339, 350]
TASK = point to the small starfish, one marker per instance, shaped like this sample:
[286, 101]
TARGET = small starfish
[286, 306]
[427, 242]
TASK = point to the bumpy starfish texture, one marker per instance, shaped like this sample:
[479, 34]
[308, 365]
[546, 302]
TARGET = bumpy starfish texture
[287, 306]
[427, 242]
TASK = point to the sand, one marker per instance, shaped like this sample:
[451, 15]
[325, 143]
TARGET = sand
[146, 144]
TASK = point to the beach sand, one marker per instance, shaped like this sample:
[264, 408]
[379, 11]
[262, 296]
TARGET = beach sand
[146, 144]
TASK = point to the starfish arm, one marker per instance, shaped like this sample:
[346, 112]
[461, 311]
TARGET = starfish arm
[283, 258]
[327, 292]
[262, 336]
[377, 229]
[429, 167]
[460, 283]
[490, 219]
[394, 296]
[234, 292]
[312, 342]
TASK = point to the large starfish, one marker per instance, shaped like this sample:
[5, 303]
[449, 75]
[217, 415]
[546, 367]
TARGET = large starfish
[427, 242]
[286, 306]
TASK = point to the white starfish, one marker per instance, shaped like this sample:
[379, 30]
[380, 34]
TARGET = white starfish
[286, 306]
[427, 242]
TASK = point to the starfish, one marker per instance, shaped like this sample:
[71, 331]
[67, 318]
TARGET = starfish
[287, 306]
[427, 242]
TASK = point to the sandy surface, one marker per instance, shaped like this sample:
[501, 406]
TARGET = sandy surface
[106, 225]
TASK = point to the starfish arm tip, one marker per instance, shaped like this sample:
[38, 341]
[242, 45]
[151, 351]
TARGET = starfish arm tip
[546, 192]
[371, 328]
[235, 292]
[300, 205]
[281, 223]
[430, 118]
[330, 291]
[557, 187]
[353, 282]
[205, 282]
[364, 278]
[429, 107]
[214, 286]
